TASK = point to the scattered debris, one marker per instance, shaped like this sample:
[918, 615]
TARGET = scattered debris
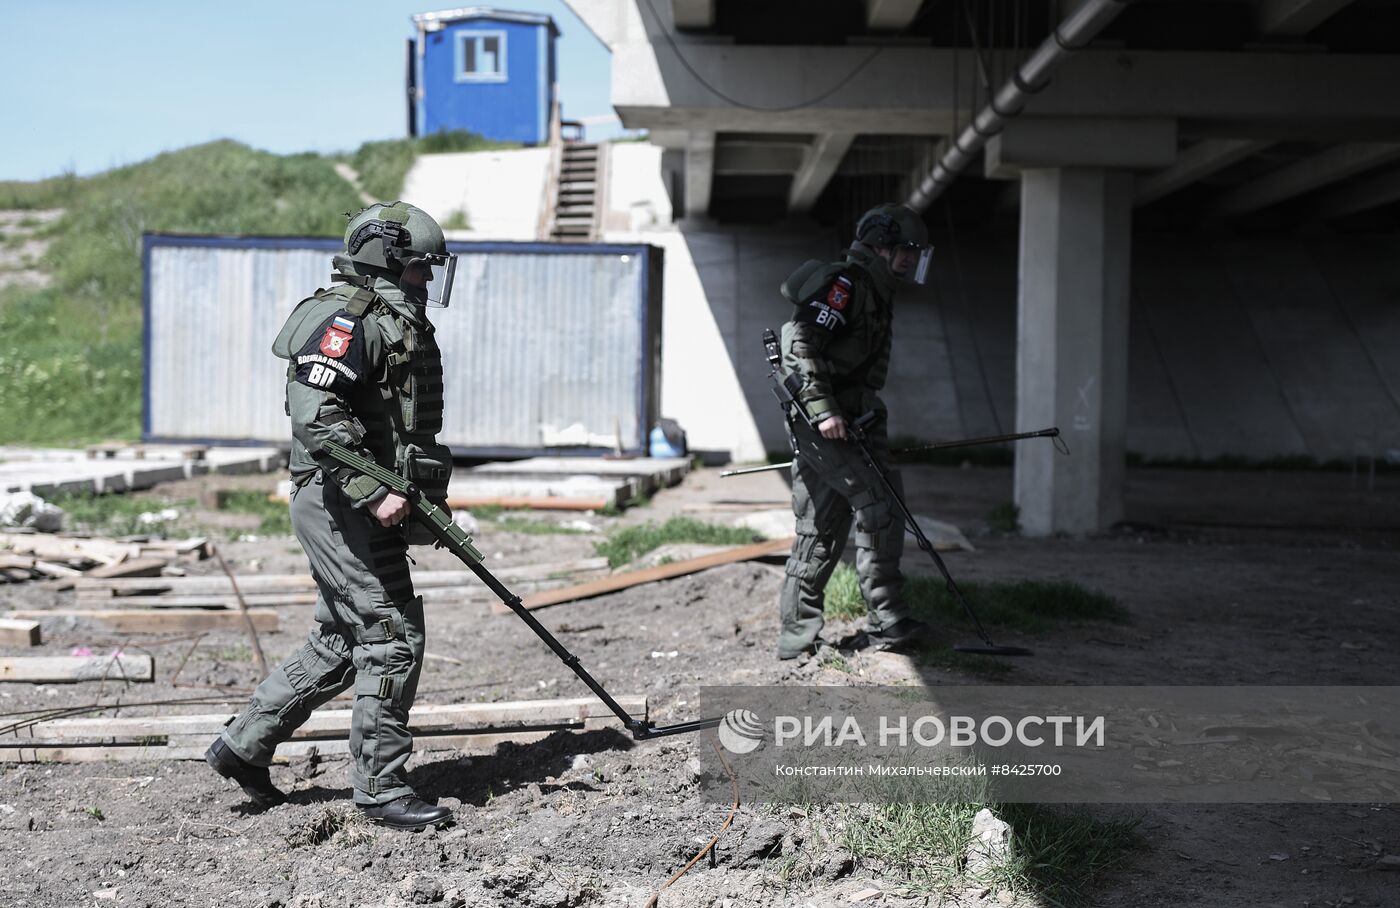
[16, 632]
[990, 846]
[25, 509]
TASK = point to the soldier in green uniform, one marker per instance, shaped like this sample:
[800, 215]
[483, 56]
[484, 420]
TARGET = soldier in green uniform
[838, 344]
[363, 370]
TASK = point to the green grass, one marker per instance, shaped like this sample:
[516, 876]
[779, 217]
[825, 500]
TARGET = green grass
[628, 543]
[457, 220]
[1056, 855]
[382, 166]
[55, 192]
[119, 514]
[1030, 606]
[1004, 518]
[70, 353]
[275, 516]
[534, 527]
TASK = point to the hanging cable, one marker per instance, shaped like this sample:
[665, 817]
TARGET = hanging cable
[675, 48]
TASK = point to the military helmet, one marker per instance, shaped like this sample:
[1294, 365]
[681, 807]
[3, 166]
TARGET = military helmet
[393, 236]
[893, 225]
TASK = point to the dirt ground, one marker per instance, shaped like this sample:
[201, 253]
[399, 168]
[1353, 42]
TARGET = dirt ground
[1230, 578]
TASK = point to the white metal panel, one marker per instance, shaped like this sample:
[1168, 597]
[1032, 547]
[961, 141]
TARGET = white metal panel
[541, 348]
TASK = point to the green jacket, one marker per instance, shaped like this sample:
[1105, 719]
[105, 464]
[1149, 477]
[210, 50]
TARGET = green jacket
[364, 369]
[838, 340]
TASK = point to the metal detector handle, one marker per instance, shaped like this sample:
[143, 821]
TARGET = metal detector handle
[458, 542]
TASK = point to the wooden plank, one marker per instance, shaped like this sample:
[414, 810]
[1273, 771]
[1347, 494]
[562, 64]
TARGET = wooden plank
[158, 621]
[650, 575]
[55, 669]
[59, 548]
[14, 632]
[481, 742]
[330, 723]
[291, 583]
[135, 567]
[54, 569]
[23, 562]
[204, 600]
[278, 600]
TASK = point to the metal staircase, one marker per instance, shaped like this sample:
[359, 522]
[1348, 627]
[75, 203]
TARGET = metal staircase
[578, 197]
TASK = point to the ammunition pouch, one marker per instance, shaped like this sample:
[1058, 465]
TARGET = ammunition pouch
[429, 467]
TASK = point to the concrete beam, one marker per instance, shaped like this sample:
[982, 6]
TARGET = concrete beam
[1296, 17]
[909, 91]
[1330, 166]
[693, 14]
[1041, 142]
[746, 157]
[891, 15]
[1372, 192]
[699, 173]
[822, 159]
[1193, 165]
[612, 23]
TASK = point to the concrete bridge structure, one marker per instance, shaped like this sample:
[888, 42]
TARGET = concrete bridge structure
[1166, 227]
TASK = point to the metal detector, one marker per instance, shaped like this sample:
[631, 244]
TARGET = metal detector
[458, 542]
[785, 387]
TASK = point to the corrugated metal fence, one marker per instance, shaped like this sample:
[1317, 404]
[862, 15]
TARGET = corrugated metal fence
[547, 347]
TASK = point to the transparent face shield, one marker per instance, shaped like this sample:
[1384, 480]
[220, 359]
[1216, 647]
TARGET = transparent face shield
[441, 269]
[910, 262]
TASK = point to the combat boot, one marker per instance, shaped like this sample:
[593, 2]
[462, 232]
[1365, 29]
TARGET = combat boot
[407, 812]
[255, 781]
[901, 635]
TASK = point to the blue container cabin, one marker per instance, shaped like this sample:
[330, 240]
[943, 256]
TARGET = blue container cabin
[485, 70]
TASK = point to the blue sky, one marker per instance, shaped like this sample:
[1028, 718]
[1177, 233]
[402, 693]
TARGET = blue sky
[91, 84]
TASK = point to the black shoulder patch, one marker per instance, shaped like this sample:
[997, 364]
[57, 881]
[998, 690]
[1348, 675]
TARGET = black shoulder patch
[333, 358]
[827, 307]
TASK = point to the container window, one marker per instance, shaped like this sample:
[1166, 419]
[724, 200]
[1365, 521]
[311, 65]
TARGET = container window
[481, 56]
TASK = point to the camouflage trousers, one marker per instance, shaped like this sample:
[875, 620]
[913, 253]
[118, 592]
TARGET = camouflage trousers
[368, 635]
[831, 487]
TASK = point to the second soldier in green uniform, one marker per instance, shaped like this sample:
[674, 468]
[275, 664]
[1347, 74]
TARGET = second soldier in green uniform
[838, 344]
[363, 370]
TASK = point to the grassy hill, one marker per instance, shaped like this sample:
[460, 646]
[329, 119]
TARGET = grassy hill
[70, 352]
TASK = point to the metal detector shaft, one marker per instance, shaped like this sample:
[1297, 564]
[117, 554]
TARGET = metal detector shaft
[1052, 432]
[458, 542]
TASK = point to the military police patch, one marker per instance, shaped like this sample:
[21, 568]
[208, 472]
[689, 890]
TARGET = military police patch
[839, 294]
[335, 342]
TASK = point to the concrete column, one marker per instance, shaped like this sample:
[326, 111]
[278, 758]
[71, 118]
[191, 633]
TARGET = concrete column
[1072, 347]
[699, 173]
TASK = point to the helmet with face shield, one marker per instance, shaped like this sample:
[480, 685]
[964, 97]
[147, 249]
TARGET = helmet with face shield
[403, 241]
[901, 230]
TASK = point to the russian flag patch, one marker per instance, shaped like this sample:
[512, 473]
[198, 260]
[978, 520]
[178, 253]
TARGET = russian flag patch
[344, 324]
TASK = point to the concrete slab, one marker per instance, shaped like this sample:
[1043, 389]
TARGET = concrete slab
[650, 473]
[615, 492]
[49, 471]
